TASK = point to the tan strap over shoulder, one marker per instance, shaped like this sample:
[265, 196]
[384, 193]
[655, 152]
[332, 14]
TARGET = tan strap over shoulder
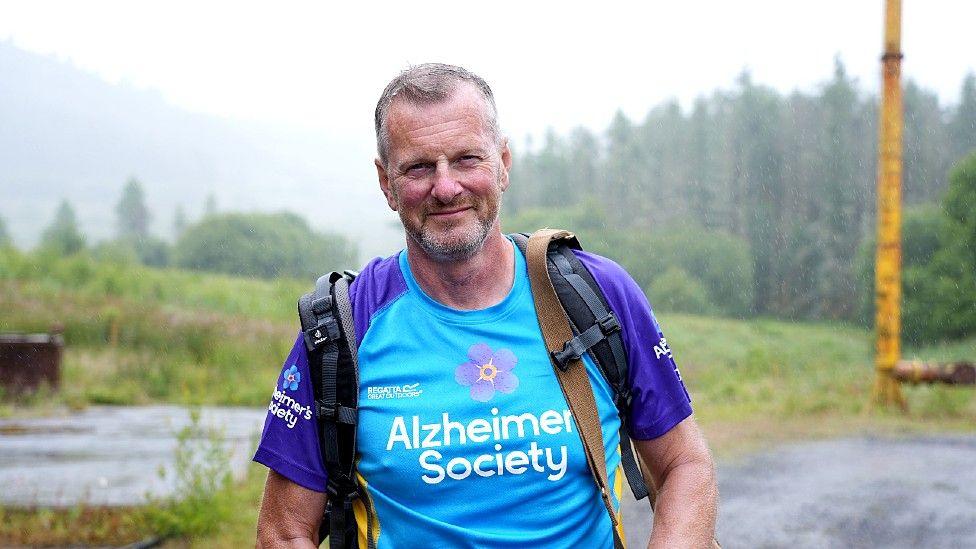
[574, 381]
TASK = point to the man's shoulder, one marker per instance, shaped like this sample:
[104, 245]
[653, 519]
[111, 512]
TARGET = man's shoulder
[609, 274]
[378, 284]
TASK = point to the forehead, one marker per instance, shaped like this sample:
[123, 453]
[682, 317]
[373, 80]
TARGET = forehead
[455, 121]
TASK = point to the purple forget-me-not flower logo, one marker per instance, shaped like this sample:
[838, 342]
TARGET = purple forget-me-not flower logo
[486, 372]
[290, 378]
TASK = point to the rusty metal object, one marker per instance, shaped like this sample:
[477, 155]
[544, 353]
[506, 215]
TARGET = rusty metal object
[953, 373]
[887, 320]
[28, 361]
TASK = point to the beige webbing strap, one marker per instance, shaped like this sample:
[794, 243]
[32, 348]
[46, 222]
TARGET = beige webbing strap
[574, 381]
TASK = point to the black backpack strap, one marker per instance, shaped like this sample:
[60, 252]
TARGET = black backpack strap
[596, 331]
[330, 339]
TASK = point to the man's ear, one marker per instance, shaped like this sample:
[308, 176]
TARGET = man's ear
[384, 178]
[506, 163]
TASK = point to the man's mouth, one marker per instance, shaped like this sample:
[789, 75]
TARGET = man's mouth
[449, 212]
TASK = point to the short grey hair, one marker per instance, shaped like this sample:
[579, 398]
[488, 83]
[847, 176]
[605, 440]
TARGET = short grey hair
[426, 84]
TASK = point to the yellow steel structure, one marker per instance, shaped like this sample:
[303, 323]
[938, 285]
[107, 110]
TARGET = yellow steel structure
[887, 321]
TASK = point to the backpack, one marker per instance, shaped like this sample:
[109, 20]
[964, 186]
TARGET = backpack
[330, 339]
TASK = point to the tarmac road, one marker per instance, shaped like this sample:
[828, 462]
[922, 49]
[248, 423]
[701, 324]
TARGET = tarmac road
[861, 492]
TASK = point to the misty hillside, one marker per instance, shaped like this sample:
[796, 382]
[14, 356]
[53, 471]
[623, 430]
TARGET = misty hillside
[67, 134]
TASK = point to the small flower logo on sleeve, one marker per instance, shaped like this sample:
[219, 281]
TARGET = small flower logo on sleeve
[290, 378]
[487, 371]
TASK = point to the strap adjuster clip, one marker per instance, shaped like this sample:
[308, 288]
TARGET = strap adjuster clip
[572, 350]
[608, 324]
[325, 410]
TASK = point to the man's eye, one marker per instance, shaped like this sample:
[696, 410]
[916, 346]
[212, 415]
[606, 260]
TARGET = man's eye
[469, 160]
[415, 170]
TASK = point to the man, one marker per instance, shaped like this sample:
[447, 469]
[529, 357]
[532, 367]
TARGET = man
[464, 437]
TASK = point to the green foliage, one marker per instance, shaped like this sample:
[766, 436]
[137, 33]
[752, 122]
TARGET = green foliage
[118, 252]
[791, 176]
[179, 221]
[133, 215]
[720, 263]
[153, 251]
[149, 250]
[203, 499]
[676, 290]
[5, 239]
[62, 237]
[210, 206]
[939, 264]
[262, 245]
[143, 335]
[960, 200]
[962, 127]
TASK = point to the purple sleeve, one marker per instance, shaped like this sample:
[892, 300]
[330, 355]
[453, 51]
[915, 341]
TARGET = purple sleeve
[660, 400]
[289, 443]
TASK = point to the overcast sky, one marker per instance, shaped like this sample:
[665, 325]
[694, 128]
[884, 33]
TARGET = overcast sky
[323, 64]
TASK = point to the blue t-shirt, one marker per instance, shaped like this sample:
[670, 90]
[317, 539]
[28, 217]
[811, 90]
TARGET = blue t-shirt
[464, 436]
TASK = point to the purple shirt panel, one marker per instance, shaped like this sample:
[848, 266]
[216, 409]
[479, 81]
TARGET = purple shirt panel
[289, 443]
[380, 283]
[660, 400]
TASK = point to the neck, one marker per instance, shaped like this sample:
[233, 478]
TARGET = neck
[477, 282]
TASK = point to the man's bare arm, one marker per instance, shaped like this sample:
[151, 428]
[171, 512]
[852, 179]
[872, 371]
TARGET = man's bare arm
[290, 515]
[687, 497]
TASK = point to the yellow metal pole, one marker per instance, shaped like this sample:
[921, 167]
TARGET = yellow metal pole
[887, 322]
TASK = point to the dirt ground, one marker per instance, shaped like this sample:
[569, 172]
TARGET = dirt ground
[850, 492]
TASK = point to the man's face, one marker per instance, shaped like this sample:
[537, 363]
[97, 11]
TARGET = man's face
[445, 173]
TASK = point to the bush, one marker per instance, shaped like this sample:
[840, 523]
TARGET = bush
[678, 291]
[262, 245]
[202, 500]
[938, 264]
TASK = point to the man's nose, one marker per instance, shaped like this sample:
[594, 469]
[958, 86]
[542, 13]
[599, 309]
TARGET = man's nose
[446, 186]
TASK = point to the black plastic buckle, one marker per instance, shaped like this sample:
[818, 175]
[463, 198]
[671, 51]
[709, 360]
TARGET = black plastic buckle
[569, 353]
[608, 324]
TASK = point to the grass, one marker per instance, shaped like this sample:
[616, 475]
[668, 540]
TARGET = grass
[137, 335]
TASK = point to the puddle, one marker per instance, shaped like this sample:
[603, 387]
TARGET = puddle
[108, 455]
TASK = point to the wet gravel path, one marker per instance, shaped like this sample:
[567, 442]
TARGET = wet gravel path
[859, 492]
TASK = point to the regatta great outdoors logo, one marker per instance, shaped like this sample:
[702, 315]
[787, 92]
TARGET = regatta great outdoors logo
[407, 390]
[487, 371]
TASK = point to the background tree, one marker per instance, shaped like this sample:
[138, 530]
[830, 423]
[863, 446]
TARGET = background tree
[790, 179]
[179, 221]
[210, 206]
[262, 245]
[131, 212]
[62, 236]
[5, 239]
[962, 127]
